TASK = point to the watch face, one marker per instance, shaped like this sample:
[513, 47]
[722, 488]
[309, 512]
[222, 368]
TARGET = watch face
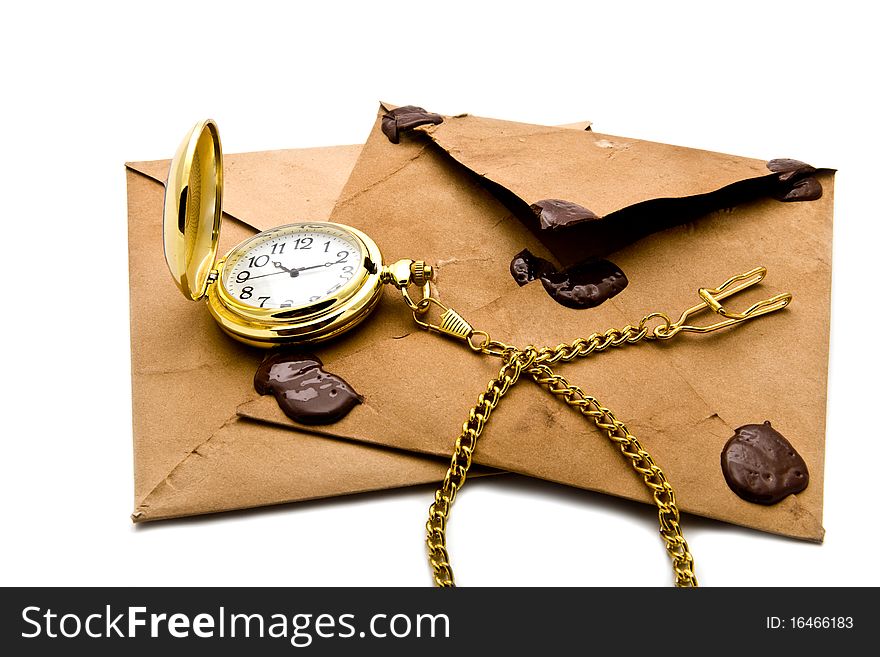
[293, 266]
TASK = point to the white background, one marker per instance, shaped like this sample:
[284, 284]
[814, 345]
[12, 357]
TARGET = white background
[87, 86]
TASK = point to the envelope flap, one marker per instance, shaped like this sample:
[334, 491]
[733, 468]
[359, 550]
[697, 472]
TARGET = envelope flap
[155, 169]
[602, 173]
[267, 189]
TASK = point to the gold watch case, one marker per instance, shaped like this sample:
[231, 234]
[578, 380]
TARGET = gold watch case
[191, 224]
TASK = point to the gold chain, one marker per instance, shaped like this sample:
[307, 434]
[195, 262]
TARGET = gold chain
[536, 362]
[641, 460]
[461, 462]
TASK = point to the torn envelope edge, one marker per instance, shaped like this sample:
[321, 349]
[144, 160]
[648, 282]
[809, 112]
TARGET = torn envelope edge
[610, 161]
[655, 198]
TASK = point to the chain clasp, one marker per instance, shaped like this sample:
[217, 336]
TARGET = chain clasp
[712, 298]
[404, 273]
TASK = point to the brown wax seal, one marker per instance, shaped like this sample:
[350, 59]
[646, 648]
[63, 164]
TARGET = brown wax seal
[406, 118]
[555, 213]
[586, 284]
[304, 390]
[796, 181]
[789, 169]
[761, 466]
[805, 189]
[527, 267]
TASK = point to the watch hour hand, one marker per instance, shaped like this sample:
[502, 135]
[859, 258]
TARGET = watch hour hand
[293, 272]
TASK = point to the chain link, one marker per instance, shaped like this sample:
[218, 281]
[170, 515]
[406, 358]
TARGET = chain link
[583, 347]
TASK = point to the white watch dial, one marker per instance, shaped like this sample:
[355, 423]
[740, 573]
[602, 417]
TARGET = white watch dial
[291, 268]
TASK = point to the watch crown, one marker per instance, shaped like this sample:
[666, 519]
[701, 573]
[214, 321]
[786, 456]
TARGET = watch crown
[421, 272]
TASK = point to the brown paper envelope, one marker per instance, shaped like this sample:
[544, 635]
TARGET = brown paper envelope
[590, 169]
[683, 398]
[192, 454]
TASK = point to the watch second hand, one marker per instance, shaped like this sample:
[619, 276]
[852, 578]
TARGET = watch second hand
[283, 270]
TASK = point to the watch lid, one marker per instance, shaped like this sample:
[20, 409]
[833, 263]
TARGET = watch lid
[193, 195]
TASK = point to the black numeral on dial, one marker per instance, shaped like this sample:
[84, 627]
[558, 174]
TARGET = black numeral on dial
[259, 261]
[246, 292]
[303, 243]
[278, 248]
[242, 276]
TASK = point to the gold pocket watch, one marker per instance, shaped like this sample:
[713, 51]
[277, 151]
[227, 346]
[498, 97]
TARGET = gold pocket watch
[294, 284]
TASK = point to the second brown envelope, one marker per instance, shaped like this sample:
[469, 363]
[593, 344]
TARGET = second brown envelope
[438, 195]
[192, 454]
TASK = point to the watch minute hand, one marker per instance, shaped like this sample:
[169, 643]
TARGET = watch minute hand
[326, 264]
